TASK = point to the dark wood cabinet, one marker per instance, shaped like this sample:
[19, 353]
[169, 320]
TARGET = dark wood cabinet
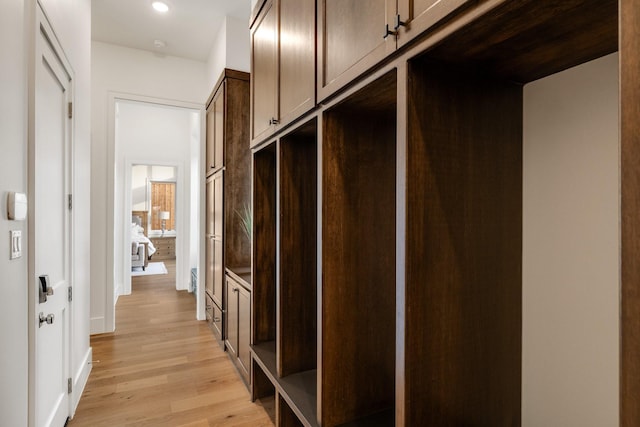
[228, 184]
[213, 315]
[215, 131]
[404, 243]
[214, 256]
[352, 37]
[283, 61]
[264, 68]
[238, 325]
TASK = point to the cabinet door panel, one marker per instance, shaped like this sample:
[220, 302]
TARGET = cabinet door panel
[209, 266]
[244, 328]
[420, 15]
[352, 36]
[264, 67]
[218, 206]
[297, 58]
[210, 207]
[210, 147]
[219, 133]
[232, 317]
[218, 271]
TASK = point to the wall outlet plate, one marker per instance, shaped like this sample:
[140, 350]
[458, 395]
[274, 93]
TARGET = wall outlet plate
[15, 242]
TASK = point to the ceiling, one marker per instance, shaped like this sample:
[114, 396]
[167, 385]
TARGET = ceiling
[188, 29]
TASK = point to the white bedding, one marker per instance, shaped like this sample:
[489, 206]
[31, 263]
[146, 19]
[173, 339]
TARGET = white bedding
[137, 236]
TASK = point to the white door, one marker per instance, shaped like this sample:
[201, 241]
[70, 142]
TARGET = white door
[50, 177]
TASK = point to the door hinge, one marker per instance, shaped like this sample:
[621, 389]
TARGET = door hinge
[70, 202]
[71, 110]
[69, 386]
[70, 293]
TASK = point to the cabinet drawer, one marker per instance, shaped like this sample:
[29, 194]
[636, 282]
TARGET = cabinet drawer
[214, 318]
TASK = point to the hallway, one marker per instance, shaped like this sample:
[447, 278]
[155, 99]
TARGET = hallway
[162, 367]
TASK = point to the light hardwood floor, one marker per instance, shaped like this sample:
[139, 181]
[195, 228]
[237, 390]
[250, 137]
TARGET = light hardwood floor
[163, 368]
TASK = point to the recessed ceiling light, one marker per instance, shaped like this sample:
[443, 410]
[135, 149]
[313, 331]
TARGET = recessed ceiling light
[160, 6]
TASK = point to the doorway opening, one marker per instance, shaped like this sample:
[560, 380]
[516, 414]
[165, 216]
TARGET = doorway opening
[156, 191]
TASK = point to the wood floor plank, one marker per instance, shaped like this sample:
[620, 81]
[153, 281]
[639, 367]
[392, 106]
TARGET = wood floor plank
[161, 367]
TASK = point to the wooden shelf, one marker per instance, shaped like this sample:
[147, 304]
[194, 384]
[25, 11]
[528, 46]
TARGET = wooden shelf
[242, 275]
[298, 390]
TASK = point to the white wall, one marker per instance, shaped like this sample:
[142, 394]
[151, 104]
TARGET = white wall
[125, 71]
[231, 49]
[13, 176]
[570, 248]
[159, 135]
[71, 20]
[140, 174]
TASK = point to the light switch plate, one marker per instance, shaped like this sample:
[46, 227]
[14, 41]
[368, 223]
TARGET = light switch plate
[16, 244]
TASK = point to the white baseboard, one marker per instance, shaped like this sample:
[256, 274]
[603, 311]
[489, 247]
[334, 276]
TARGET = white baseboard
[97, 326]
[80, 380]
[118, 292]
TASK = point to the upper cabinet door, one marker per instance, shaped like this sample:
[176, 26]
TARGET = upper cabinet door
[219, 132]
[416, 16]
[297, 58]
[353, 37]
[210, 144]
[264, 68]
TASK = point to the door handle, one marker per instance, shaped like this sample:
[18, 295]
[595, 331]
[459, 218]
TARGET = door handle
[44, 289]
[48, 319]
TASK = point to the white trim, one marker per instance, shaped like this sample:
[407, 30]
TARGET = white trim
[80, 380]
[97, 325]
[110, 296]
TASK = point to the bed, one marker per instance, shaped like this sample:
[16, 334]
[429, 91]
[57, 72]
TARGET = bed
[141, 247]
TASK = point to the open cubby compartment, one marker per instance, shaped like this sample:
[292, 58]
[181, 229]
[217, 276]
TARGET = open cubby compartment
[285, 417]
[357, 366]
[262, 389]
[237, 182]
[263, 291]
[298, 390]
[462, 343]
[297, 252]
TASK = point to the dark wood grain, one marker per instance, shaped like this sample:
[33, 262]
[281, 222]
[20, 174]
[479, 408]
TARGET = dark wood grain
[219, 125]
[261, 386]
[238, 318]
[421, 15]
[298, 390]
[298, 229]
[358, 257]
[264, 68]
[350, 34]
[210, 147]
[297, 62]
[285, 417]
[630, 232]
[237, 174]
[524, 40]
[264, 246]
[463, 250]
